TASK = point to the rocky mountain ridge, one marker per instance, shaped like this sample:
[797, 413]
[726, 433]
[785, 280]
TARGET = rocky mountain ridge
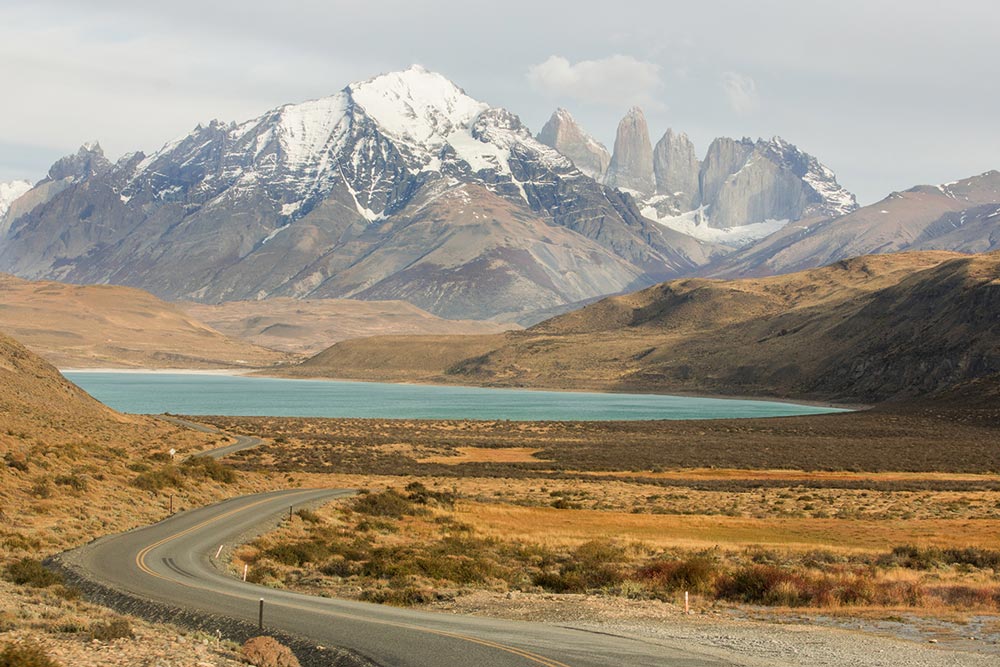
[342, 197]
[739, 183]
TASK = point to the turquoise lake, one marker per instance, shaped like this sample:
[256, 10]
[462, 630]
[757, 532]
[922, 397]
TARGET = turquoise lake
[193, 394]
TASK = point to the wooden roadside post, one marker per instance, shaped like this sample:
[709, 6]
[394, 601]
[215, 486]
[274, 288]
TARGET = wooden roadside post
[260, 616]
[687, 607]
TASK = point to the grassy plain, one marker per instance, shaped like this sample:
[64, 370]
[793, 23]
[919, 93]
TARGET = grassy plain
[894, 508]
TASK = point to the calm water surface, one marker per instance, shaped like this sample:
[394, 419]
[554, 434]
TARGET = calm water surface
[191, 394]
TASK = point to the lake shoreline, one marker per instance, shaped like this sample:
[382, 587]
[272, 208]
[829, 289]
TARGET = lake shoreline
[163, 390]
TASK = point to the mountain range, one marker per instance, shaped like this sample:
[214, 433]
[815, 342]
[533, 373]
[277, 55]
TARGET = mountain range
[400, 187]
[403, 187]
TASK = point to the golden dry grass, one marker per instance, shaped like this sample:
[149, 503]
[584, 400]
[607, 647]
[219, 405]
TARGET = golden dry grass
[568, 527]
[485, 455]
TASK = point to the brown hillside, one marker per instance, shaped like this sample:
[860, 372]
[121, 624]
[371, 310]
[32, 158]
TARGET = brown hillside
[307, 326]
[110, 326]
[67, 462]
[860, 330]
[393, 358]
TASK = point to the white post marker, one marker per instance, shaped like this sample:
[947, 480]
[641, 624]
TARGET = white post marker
[687, 608]
[219, 551]
[246, 566]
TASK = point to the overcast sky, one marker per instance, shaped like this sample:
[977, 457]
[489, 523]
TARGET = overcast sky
[888, 94]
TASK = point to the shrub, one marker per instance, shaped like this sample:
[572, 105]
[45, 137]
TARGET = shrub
[74, 481]
[399, 597]
[15, 462]
[25, 654]
[42, 488]
[928, 558]
[421, 495]
[118, 628]
[206, 466]
[261, 573]
[309, 516]
[752, 584]
[389, 503]
[159, 479]
[297, 553]
[594, 564]
[31, 572]
[268, 652]
[696, 574]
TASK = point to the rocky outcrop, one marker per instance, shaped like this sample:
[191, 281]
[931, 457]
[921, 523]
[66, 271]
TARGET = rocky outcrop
[631, 165]
[676, 168]
[724, 158]
[562, 133]
[745, 182]
[740, 183]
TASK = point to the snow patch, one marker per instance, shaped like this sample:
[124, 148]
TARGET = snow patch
[694, 223]
[274, 233]
[10, 192]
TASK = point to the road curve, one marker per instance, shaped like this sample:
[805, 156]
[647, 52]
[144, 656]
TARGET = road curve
[173, 562]
[242, 441]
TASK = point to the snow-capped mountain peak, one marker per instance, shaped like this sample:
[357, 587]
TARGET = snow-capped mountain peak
[416, 106]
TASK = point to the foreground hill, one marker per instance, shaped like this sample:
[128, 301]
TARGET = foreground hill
[62, 451]
[862, 330]
[308, 326]
[108, 326]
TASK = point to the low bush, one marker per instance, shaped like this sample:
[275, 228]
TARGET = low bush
[206, 466]
[389, 503]
[31, 572]
[929, 558]
[592, 565]
[399, 597]
[42, 488]
[15, 462]
[118, 628]
[775, 586]
[159, 479]
[25, 654]
[309, 516]
[421, 495]
[268, 652]
[74, 481]
[696, 574]
[298, 553]
[261, 573]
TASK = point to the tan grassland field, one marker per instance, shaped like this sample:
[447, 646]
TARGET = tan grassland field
[893, 512]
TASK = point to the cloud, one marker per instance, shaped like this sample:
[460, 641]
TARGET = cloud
[741, 92]
[616, 81]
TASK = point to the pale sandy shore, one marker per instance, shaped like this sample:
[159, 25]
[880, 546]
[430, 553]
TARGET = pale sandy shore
[163, 371]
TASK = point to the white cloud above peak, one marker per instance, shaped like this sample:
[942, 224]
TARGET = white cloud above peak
[614, 81]
[741, 92]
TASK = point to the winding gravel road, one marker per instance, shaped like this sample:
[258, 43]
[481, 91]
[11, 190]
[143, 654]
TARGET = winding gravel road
[173, 562]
